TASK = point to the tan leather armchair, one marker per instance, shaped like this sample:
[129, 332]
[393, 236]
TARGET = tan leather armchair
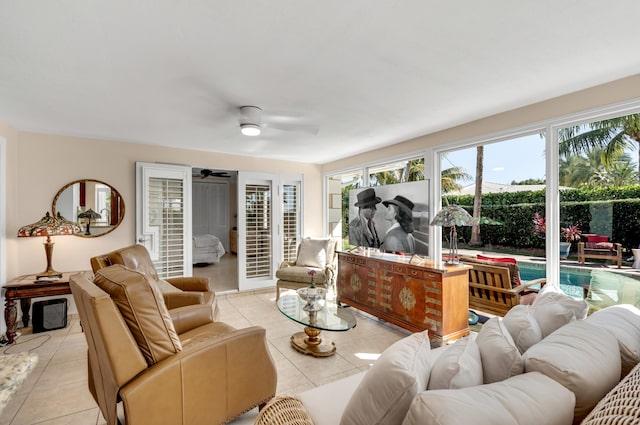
[187, 369]
[176, 291]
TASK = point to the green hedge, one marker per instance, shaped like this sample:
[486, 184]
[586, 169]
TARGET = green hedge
[607, 211]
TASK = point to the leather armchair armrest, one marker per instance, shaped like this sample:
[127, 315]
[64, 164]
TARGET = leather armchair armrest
[181, 299]
[213, 372]
[193, 283]
[191, 316]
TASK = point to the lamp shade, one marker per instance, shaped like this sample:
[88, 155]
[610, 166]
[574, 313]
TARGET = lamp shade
[49, 226]
[89, 214]
[453, 215]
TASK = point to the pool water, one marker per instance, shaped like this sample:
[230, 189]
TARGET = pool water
[571, 280]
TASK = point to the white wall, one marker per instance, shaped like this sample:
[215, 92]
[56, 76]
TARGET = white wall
[48, 162]
[595, 97]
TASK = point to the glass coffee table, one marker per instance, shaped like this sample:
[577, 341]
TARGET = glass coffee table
[331, 317]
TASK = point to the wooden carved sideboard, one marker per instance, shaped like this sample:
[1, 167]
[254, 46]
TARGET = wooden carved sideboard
[413, 293]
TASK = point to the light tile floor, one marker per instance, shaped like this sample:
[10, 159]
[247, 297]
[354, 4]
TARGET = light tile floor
[56, 391]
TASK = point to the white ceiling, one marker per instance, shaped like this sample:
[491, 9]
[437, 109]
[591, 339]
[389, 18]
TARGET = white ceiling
[363, 73]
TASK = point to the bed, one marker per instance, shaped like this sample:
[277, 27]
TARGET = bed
[207, 249]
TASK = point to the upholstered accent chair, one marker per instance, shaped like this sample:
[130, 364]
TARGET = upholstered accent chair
[151, 365]
[176, 291]
[314, 254]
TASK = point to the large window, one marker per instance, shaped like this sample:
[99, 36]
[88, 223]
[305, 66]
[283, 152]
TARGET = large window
[546, 194]
[502, 191]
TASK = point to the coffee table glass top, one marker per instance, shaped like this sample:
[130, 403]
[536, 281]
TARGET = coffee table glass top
[330, 318]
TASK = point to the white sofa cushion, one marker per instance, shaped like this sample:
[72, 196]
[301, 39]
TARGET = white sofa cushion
[522, 327]
[385, 393]
[582, 357]
[527, 399]
[623, 322]
[458, 367]
[500, 356]
[335, 394]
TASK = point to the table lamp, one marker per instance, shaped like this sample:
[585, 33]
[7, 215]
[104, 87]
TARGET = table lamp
[452, 216]
[49, 226]
[89, 215]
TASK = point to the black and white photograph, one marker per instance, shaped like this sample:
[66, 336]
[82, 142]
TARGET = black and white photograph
[392, 218]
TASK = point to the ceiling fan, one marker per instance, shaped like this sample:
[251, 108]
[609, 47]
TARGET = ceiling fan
[204, 173]
[253, 121]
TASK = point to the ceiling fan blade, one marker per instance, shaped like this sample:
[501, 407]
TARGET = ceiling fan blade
[293, 127]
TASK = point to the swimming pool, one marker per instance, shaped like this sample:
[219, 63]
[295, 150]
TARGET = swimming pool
[572, 280]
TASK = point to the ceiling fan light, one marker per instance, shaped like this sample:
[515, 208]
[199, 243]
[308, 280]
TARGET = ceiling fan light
[250, 129]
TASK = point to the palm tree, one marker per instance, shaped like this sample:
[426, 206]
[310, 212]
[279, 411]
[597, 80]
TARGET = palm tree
[613, 135]
[385, 177]
[450, 178]
[596, 169]
[414, 171]
[477, 200]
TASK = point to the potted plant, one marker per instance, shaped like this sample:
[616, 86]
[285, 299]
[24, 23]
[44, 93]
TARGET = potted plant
[568, 234]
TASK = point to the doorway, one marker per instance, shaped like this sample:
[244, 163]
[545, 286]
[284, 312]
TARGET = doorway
[214, 224]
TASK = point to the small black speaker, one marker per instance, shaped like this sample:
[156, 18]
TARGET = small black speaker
[49, 315]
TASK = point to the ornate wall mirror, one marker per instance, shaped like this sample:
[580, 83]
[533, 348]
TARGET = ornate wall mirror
[96, 206]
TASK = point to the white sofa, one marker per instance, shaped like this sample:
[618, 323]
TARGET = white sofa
[541, 364]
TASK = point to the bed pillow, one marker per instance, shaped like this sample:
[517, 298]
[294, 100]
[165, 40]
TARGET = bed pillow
[498, 352]
[313, 253]
[458, 367]
[385, 393]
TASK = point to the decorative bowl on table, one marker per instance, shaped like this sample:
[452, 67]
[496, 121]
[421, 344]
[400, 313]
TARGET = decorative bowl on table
[315, 298]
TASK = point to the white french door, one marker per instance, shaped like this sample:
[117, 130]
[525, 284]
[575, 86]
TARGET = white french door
[269, 223]
[163, 216]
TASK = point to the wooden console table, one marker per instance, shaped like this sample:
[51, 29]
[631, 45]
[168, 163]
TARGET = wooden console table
[413, 293]
[23, 288]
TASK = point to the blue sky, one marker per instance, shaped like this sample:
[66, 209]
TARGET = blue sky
[517, 159]
[513, 160]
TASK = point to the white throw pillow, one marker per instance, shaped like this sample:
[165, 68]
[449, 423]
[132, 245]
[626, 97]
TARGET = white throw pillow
[313, 253]
[385, 393]
[623, 322]
[582, 357]
[527, 399]
[551, 317]
[458, 367]
[553, 309]
[550, 294]
[522, 327]
[500, 356]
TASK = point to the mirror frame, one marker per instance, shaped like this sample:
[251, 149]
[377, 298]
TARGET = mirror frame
[68, 185]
